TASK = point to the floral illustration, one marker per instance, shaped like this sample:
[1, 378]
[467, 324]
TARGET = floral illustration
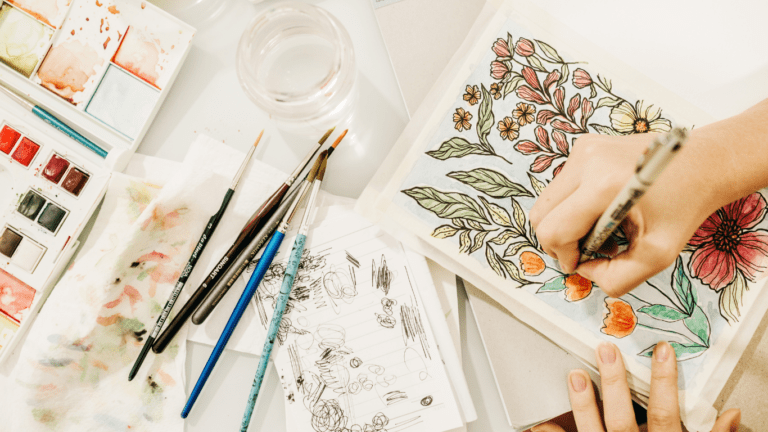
[462, 118]
[472, 95]
[620, 319]
[491, 180]
[728, 250]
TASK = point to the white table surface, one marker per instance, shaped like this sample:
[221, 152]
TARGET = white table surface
[711, 53]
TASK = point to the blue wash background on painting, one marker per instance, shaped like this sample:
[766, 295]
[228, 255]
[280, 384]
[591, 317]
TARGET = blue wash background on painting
[589, 311]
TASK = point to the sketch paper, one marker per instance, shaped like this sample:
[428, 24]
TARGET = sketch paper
[496, 129]
[356, 350]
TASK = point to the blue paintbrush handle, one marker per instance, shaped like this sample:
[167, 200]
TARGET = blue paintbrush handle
[61, 126]
[274, 326]
[258, 274]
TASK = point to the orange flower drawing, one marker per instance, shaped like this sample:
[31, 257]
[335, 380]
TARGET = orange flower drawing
[509, 129]
[577, 288]
[524, 113]
[472, 95]
[531, 263]
[620, 319]
[462, 118]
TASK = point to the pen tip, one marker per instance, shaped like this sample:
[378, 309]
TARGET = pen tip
[259, 138]
[341, 137]
[327, 134]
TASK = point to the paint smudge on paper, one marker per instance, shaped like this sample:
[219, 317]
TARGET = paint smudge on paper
[22, 40]
[51, 12]
[139, 55]
[68, 67]
[15, 296]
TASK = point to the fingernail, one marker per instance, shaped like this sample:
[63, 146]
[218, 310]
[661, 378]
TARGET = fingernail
[661, 352]
[736, 422]
[578, 383]
[607, 353]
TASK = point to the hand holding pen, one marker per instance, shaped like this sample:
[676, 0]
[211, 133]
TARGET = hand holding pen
[607, 178]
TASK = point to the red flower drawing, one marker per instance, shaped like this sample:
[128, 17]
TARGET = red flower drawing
[499, 70]
[726, 244]
[581, 78]
[524, 47]
[577, 288]
[501, 48]
[619, 320]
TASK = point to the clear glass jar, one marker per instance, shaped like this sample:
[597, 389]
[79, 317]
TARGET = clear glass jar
[296, 62]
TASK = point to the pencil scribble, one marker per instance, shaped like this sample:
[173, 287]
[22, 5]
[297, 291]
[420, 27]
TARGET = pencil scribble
[394, 397]
[381, 276]
[355, 362]
[352, 259]
[426, 401]
[413, 330]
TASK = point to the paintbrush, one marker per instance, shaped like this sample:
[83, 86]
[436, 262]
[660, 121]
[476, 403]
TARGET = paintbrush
[246, 259]
[258, 274]
[213, 222]
[54, 121]
[282, 300]
[250, 229]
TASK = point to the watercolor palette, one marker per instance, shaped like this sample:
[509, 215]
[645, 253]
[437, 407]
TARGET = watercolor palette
[102, 66]
[47, 195]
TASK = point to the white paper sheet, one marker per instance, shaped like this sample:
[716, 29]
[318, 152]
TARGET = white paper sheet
[357, 350]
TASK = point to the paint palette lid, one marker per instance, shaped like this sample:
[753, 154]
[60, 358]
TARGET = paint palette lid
[104, 68]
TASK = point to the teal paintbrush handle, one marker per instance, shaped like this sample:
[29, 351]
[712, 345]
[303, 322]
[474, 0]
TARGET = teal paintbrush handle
[274, 326]
[61, 126]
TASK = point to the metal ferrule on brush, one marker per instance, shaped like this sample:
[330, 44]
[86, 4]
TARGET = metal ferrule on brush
[304, 227]
[286, 222]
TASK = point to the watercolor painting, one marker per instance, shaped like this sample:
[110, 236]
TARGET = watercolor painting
[507, 135]
[51, 12]
[73, 368]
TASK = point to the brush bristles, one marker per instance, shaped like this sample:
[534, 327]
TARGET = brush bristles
[259, 138]
[327, 134]
[321, 173]
[341, 137]
[316, 167]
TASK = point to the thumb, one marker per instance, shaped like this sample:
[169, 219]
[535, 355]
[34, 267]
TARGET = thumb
[622, 273]
[729, 421]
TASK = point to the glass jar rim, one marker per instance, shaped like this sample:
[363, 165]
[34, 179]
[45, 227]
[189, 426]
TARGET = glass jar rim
[314, 102]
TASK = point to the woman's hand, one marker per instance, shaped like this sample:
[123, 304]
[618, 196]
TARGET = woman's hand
[663, 408]
[720, 163]
[658, 227]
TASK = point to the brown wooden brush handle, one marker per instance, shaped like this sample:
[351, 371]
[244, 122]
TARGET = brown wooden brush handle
[246, 235]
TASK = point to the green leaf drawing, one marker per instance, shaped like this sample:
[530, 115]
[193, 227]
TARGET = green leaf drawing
[682, 287]
[610, 101]
[490, 182]
[550, 52]
[485, 118]
[498, 215]
[514, 82]
[518, 214]
[514, 248]
[490, 256]
[604, 130]
[593, 91]
[505, 236]
[553, 285]
[564, 72]
[478, 242]
[698, 324]
[682, 351]
[444, 231]
[513, 271]
[537, 185]
[447, 205]
[474, 225]
[457, 147]
[663, 313]
[536, 63]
